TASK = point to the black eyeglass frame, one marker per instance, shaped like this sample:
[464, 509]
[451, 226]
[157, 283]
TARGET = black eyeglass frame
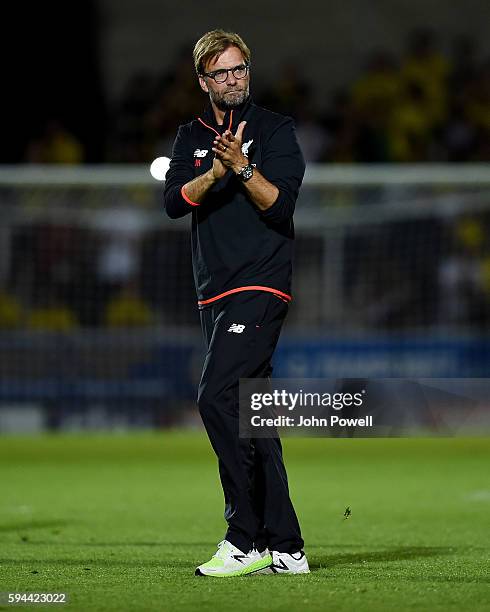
[212, 75]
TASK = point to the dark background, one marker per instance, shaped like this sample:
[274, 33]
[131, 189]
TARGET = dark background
[54, 63]
[117, 76]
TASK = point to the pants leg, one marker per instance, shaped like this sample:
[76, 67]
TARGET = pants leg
[241, 334]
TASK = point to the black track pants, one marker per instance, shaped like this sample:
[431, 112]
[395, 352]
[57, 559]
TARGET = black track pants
[241, 333]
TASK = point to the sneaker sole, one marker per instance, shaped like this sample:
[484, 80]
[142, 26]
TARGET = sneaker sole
[249, 569]
[270, 571]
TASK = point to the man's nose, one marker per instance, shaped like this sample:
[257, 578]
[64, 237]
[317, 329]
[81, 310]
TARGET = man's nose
[230, 79]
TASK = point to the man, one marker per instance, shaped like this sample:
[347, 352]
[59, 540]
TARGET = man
[238, 170]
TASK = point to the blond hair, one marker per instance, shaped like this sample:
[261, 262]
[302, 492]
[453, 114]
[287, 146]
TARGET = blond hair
[213, 44]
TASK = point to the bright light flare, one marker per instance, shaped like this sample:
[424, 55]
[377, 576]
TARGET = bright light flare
[159, 167]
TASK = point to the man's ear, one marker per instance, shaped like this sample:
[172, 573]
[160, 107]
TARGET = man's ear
[203, 84]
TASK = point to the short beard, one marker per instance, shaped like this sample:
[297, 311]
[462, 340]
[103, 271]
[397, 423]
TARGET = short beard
[225, 103]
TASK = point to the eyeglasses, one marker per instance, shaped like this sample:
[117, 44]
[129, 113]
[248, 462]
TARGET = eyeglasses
[220, 76]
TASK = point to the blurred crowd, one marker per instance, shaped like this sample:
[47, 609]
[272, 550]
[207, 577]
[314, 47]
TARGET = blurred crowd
[121, 273]
[427, 105]
[116, 273]
[431, 273]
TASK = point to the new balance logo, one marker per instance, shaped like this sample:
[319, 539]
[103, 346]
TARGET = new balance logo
[201, 152]
[236, 328]
[281, 565]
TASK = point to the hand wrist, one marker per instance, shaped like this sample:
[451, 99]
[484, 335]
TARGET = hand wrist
[237, 167]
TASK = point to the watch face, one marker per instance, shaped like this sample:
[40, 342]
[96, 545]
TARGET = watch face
[246, 172]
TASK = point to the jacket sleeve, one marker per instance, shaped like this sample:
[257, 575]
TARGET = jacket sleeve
[180, 172]
[283, 165]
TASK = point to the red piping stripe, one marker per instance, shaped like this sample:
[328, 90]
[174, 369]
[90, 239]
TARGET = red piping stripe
[186, 198]
[208, 126]
[212, 128]
[279, 294]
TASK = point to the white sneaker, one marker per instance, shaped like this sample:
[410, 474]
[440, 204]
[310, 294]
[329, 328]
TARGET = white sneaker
[284, 563]
[230, 561]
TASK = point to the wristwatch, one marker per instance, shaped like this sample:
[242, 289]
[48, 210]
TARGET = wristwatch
[246, 173]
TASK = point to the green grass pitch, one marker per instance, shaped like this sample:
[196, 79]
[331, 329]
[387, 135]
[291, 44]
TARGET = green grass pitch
[119, 522]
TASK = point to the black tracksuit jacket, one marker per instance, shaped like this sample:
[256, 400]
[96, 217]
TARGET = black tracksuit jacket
[235, 246]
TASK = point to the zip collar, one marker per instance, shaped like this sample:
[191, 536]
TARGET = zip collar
[230, 121]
